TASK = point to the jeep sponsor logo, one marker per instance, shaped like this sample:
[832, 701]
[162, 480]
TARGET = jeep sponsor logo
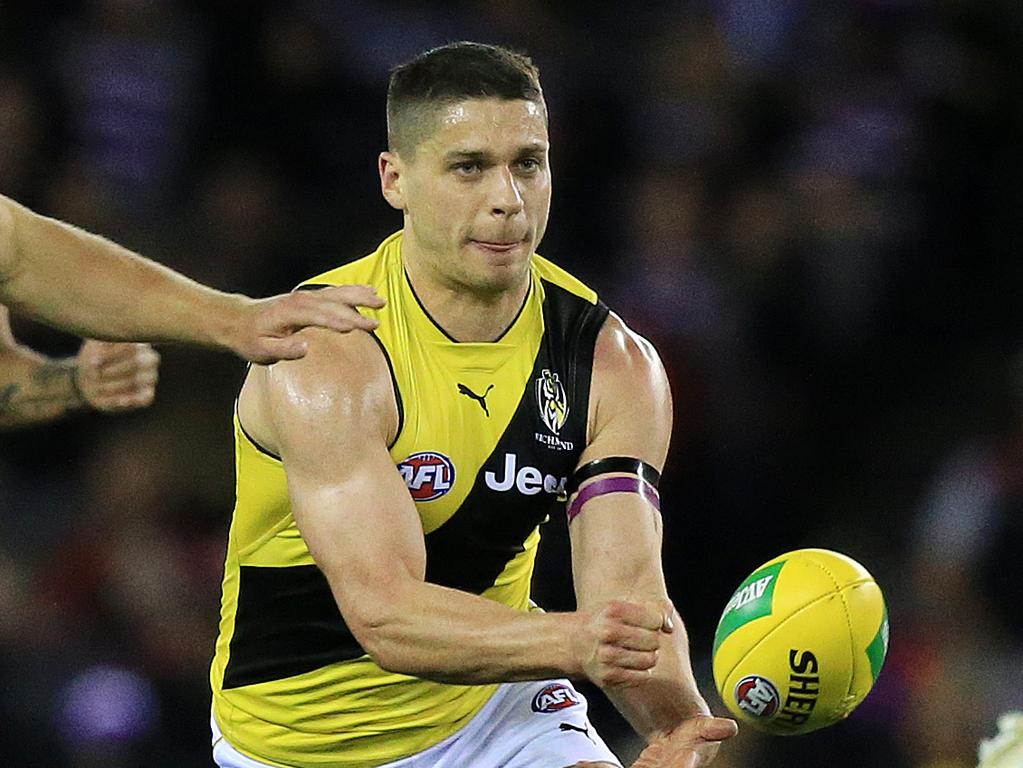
[757, 696]
[554, 697]
[804, 688]
[529, 481]
[428, 475]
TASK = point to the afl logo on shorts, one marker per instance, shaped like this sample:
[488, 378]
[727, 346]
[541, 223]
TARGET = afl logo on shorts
[428, 475]
[552, 400]
[554, 697]
[757, 696]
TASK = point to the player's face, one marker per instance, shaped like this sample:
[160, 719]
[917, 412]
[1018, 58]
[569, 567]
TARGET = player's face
[476, 193]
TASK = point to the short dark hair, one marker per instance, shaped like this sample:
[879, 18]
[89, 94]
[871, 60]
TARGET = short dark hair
[452, 73]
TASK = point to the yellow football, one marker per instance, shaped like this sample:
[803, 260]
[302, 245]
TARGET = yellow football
[801, 642]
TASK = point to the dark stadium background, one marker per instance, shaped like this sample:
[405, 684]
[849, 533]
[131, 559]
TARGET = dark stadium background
[811, 208]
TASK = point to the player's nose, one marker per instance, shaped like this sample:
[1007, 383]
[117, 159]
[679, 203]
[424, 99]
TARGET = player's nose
[505, 196]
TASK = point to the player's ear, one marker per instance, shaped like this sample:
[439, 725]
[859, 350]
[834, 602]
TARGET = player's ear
[391, 177]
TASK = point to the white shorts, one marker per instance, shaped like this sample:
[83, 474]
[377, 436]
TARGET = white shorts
[524, 725]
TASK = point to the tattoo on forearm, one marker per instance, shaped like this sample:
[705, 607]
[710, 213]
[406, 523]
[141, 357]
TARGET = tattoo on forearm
[47, 390]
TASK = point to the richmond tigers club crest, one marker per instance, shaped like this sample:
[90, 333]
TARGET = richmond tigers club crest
[553, 402]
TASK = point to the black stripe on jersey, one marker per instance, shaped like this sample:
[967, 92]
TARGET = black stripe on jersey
[287, 623]
[251, 439]
[429, 317]
[447, 335]
[394, 388]
[471, 549]
[518, 314]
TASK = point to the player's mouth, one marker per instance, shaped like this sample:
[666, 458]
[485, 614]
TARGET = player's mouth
[499, 246]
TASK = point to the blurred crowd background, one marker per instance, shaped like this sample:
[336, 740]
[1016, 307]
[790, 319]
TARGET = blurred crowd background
[812, 209]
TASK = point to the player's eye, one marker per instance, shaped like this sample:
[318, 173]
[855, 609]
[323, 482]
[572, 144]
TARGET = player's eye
[467, 167]
[530, 164]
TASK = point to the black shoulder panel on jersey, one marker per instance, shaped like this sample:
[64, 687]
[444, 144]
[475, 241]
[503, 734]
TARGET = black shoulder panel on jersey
[287, 623]
[472, 548]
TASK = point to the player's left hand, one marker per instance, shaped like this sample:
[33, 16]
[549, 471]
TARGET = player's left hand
[694, 743]
[269, 330]
[112, 376]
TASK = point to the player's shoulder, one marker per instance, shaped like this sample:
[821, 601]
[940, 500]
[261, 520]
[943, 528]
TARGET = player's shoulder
[552, 274]
[630, 401]
[343, 379]
[628, 375]
[620, 350]
[350, 363]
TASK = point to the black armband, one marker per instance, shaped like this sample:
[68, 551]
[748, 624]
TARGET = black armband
[612, 464]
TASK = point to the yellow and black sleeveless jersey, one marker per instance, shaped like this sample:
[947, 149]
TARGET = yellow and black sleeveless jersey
[488, 434]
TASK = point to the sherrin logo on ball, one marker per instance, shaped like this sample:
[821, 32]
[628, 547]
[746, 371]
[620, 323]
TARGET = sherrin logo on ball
[801, 642]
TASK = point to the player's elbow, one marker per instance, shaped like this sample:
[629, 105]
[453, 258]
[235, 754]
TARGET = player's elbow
[385, 654]
[375, 620]
[371, 630]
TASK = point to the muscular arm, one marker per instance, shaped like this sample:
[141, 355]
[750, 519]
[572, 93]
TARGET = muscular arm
[616, 540]
[330, 416]
[82, 283]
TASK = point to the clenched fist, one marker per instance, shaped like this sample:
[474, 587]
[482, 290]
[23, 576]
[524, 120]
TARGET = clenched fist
[112, 377]
[618, 644]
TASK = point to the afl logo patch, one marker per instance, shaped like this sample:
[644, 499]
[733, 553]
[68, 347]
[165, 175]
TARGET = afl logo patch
[428, 475]
[554, 697]
[757, 696]
[552, 400]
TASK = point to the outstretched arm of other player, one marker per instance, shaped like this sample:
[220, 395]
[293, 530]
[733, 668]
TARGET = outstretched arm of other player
[85, 284]
[616, 540]
[105, 376]
[330, 416]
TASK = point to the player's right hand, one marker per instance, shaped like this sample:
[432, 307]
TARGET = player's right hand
[270, 330]
[619, 642]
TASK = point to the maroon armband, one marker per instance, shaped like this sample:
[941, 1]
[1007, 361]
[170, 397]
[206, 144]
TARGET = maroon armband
[606, 485]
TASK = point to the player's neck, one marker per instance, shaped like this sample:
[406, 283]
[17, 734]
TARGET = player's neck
[464, 313]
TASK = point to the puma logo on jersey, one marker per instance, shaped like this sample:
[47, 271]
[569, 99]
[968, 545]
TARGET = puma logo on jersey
[481, 399]
[567, 727]
[571, 727]
[528, 480]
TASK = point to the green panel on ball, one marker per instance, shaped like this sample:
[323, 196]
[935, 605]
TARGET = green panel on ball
[752, 600]
[878, 648]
